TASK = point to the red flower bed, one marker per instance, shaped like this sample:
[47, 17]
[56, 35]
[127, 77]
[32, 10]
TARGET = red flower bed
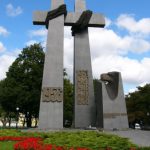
[33, 144]
[36, 143]
[11, 138]
[29, 144]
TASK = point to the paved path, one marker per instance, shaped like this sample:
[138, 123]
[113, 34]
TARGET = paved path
[139, 137]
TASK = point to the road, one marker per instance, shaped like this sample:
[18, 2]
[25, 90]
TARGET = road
[139, 137]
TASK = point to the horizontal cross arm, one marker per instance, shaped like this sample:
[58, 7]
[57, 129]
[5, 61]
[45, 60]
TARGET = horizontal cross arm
[39, 17]
[97, 20]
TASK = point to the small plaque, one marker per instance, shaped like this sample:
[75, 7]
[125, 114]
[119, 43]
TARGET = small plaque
[82, 87]
[113, 115]
[50, 94]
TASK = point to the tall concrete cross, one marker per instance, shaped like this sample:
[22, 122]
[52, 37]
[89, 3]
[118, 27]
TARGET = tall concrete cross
[85, 110]
[51, 105]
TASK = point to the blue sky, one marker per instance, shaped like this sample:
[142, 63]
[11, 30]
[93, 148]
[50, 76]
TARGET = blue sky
[123, 45]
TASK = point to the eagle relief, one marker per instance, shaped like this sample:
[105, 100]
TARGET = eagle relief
[82, 87]
[51, 94]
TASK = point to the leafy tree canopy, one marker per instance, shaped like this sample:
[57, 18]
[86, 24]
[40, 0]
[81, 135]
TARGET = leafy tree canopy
[138, 104]
[22, 85]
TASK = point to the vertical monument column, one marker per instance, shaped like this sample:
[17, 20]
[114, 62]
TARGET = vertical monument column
[51, 105]
[83, 80]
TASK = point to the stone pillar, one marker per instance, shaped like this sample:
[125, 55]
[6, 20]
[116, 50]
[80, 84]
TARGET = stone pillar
[83, 79]
[51, 105]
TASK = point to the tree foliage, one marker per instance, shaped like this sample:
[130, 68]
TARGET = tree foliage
[22, 86]
[138, 105]
[68, 100]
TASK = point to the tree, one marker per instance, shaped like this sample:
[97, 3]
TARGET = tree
[22, 86]
[3, 117]
[6, 106]
[68, 100]
[138, 105]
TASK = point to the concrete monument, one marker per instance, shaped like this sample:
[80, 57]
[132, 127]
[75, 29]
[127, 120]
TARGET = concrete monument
[85, 114]
[51, 105]
[110, 102]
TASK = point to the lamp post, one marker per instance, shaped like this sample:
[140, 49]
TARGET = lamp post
[27, 119]
[17, 109]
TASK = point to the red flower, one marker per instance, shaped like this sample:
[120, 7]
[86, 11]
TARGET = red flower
[132, 148]
[108, 148]
[82, 148]
[29, 144]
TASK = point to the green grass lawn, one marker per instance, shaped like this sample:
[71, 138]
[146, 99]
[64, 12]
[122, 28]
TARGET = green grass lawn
[7, 145]
[89, 139]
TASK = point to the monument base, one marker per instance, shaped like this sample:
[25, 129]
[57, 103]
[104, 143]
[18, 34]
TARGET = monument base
[51, 115]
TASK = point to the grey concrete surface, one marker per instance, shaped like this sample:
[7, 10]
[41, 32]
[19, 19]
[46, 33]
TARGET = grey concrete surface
[113, 110]
[51, 113]
[139, 137]
[97, 20]
[84, 113]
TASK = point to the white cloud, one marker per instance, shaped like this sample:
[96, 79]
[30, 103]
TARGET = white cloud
[6, 59]
[3, 31]
[129, 23]
[11, 11]
[132, 70]
[106, 42]
[5, 62]
[2, 47]
[31, 42]
[108, 22]
[135, 89]
[38, 33]
[15, 53]
[132, 90]
[109, 52]
[68, 52]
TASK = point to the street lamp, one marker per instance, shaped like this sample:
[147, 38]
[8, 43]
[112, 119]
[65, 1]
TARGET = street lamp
[148, 114]
[17, 109]
[27, 119]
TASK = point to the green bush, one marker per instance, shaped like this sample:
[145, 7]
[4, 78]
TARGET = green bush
[89, 139]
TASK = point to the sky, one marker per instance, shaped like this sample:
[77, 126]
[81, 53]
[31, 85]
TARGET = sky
[123, 45]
